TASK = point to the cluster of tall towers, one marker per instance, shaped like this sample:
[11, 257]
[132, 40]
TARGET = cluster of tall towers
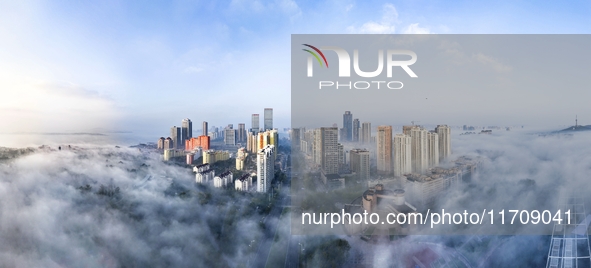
[353, 130]
[267, 123]
[412, 151]
[179, 136]
[263, 142]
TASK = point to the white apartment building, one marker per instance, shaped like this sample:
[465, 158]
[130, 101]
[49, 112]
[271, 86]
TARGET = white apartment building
[419, 150]
[243, 183]
[265, 168]
[402, 154]
[223, 180]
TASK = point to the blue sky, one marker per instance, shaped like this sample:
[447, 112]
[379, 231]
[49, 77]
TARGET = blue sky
[143, 66]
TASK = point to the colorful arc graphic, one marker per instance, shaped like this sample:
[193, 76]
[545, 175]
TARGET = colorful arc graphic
[316, 56]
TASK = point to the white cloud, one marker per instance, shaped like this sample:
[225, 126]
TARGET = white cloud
[290, 8]
[348, 7]
[373, 28]
[46, 216]
[385, 26]
[416, 29]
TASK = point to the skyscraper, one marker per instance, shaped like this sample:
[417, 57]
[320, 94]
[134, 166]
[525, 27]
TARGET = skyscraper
[355, 137]
[251, 143]
[348, 125]
[205, 129]
[406, 130]
[255, 124]
[366, 132]
[444, 133]
[241, 133]
[402, 155]
[175, 135]
[269, 137]
[420, 161]
[342, 157]
[329, 150]
[265, 168]
[186, 130]
[296, 137]
[168, 144]
[384, 150]
[317, 147]
[268, 118]
[359, 163]
[229, 135]
[161, 143]
[433, 149]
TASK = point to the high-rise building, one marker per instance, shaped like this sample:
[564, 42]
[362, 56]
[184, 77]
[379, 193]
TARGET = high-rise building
[406, 130]
[243, 183]
[269, 137]
[251, 143]
[223, 180]
[175, 134]
[212, 156]
[190, 158]
[359, 163]
[348, 125]
[317, 147]
[329, 155]
[194, 143]
[402, 155]
[255, 142]
[255, 127]
[366, 132]
[268, 118]
[433, 149]
[241, 131]
[161, 143]
[342, 157]
[384, 149]
[229, 136]
[296, 139]
[205, 129]
[444, 133]
[356, 126]
[186, 130]
[420, 160]
[203, 173]
[172, 153]
[168, 144]
[240, 158]
[265, 168]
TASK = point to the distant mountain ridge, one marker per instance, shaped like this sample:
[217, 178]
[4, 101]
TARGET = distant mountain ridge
[576, 128]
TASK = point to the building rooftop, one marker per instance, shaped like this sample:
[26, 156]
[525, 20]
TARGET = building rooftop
[227, 173]
[244, 177]
[206, 171]
[202, 165]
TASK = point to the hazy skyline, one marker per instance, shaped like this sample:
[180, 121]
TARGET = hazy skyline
[113, 66]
